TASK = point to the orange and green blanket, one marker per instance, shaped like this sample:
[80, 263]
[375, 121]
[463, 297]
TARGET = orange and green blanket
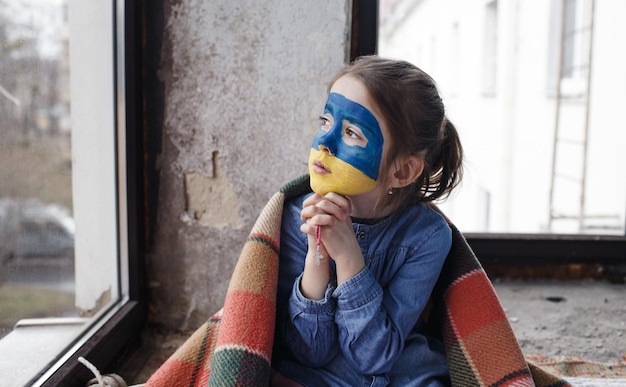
[234, 347]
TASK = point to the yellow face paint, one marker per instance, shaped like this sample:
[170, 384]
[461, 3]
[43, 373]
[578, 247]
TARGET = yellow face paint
[332, 174]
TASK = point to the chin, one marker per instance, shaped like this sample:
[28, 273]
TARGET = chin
[346, 186]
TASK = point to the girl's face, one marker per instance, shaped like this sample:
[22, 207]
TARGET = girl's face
[347, 151]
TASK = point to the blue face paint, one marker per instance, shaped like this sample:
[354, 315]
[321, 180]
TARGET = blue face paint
[366, 159]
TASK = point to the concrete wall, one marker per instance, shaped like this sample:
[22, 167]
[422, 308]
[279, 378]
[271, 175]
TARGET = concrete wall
[244, 84]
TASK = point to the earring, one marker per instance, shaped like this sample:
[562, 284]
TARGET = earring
[390, 191]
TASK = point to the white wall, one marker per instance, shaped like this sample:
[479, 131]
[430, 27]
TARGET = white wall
[508, 132]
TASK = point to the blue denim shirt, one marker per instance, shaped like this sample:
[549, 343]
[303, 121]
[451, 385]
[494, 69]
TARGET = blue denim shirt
[367, 330]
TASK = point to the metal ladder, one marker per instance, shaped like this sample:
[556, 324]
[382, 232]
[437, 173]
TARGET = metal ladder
[571, 127]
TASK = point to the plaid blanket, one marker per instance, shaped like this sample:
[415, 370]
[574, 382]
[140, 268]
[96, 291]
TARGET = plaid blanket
[234, 347]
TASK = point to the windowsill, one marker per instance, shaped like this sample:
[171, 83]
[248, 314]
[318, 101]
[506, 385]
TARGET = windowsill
[45, 350]
[34, 344]
[550, 249]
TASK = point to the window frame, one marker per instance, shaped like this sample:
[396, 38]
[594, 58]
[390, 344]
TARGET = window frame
[508, 249]
[117, 331]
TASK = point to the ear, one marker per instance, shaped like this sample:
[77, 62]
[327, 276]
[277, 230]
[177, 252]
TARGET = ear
[407, 170]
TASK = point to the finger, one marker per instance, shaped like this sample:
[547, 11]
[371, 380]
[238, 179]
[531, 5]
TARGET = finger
[322, 219]
[340, 208]
[312, 200]
[339, 200]
[311, 211]
[311, 232]
[308, 229]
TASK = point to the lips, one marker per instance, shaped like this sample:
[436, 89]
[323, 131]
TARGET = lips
[320, 168]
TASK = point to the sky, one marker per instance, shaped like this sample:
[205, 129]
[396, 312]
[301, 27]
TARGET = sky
[40, 19]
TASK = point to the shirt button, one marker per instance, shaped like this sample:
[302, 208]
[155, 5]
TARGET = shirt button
[360, 234]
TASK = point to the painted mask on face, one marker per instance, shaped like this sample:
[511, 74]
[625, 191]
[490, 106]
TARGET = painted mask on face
[346, 154]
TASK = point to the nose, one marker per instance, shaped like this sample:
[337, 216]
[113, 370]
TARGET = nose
[325, 148]
[327, 142]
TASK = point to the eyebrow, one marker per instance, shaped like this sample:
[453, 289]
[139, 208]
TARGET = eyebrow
[355, 112]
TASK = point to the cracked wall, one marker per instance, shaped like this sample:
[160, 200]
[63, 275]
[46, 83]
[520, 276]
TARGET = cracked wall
[245, 83]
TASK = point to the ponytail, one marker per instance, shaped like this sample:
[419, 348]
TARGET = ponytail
[446, 168]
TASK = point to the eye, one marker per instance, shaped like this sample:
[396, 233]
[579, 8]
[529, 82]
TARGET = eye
[325, 123]
[352, 134]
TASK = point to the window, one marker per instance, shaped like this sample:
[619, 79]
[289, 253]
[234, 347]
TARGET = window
[36, 220]
[78, 58]
[537, 163]
[491, 47]
[509, 140]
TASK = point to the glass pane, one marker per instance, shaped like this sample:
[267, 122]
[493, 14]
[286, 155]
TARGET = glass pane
[538, 114]
[59, 236]
[36, 220]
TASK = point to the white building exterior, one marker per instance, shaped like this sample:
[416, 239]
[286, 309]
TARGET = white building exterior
[497, 65]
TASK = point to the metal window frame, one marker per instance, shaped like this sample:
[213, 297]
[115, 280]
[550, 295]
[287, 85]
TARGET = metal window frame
[118, 331]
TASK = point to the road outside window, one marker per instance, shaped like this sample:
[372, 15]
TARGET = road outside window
[36, 220]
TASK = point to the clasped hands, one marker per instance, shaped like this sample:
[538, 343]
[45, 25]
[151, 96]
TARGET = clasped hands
[332, 213]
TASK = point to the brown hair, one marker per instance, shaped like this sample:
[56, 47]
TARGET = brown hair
[412, 109]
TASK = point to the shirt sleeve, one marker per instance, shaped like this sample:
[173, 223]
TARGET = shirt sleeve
[305, 327]
[373, 323]
[310, 331]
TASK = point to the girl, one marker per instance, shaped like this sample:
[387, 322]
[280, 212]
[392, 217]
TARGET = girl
[360, 255]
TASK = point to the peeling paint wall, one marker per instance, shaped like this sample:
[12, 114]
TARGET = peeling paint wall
[245, 83]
